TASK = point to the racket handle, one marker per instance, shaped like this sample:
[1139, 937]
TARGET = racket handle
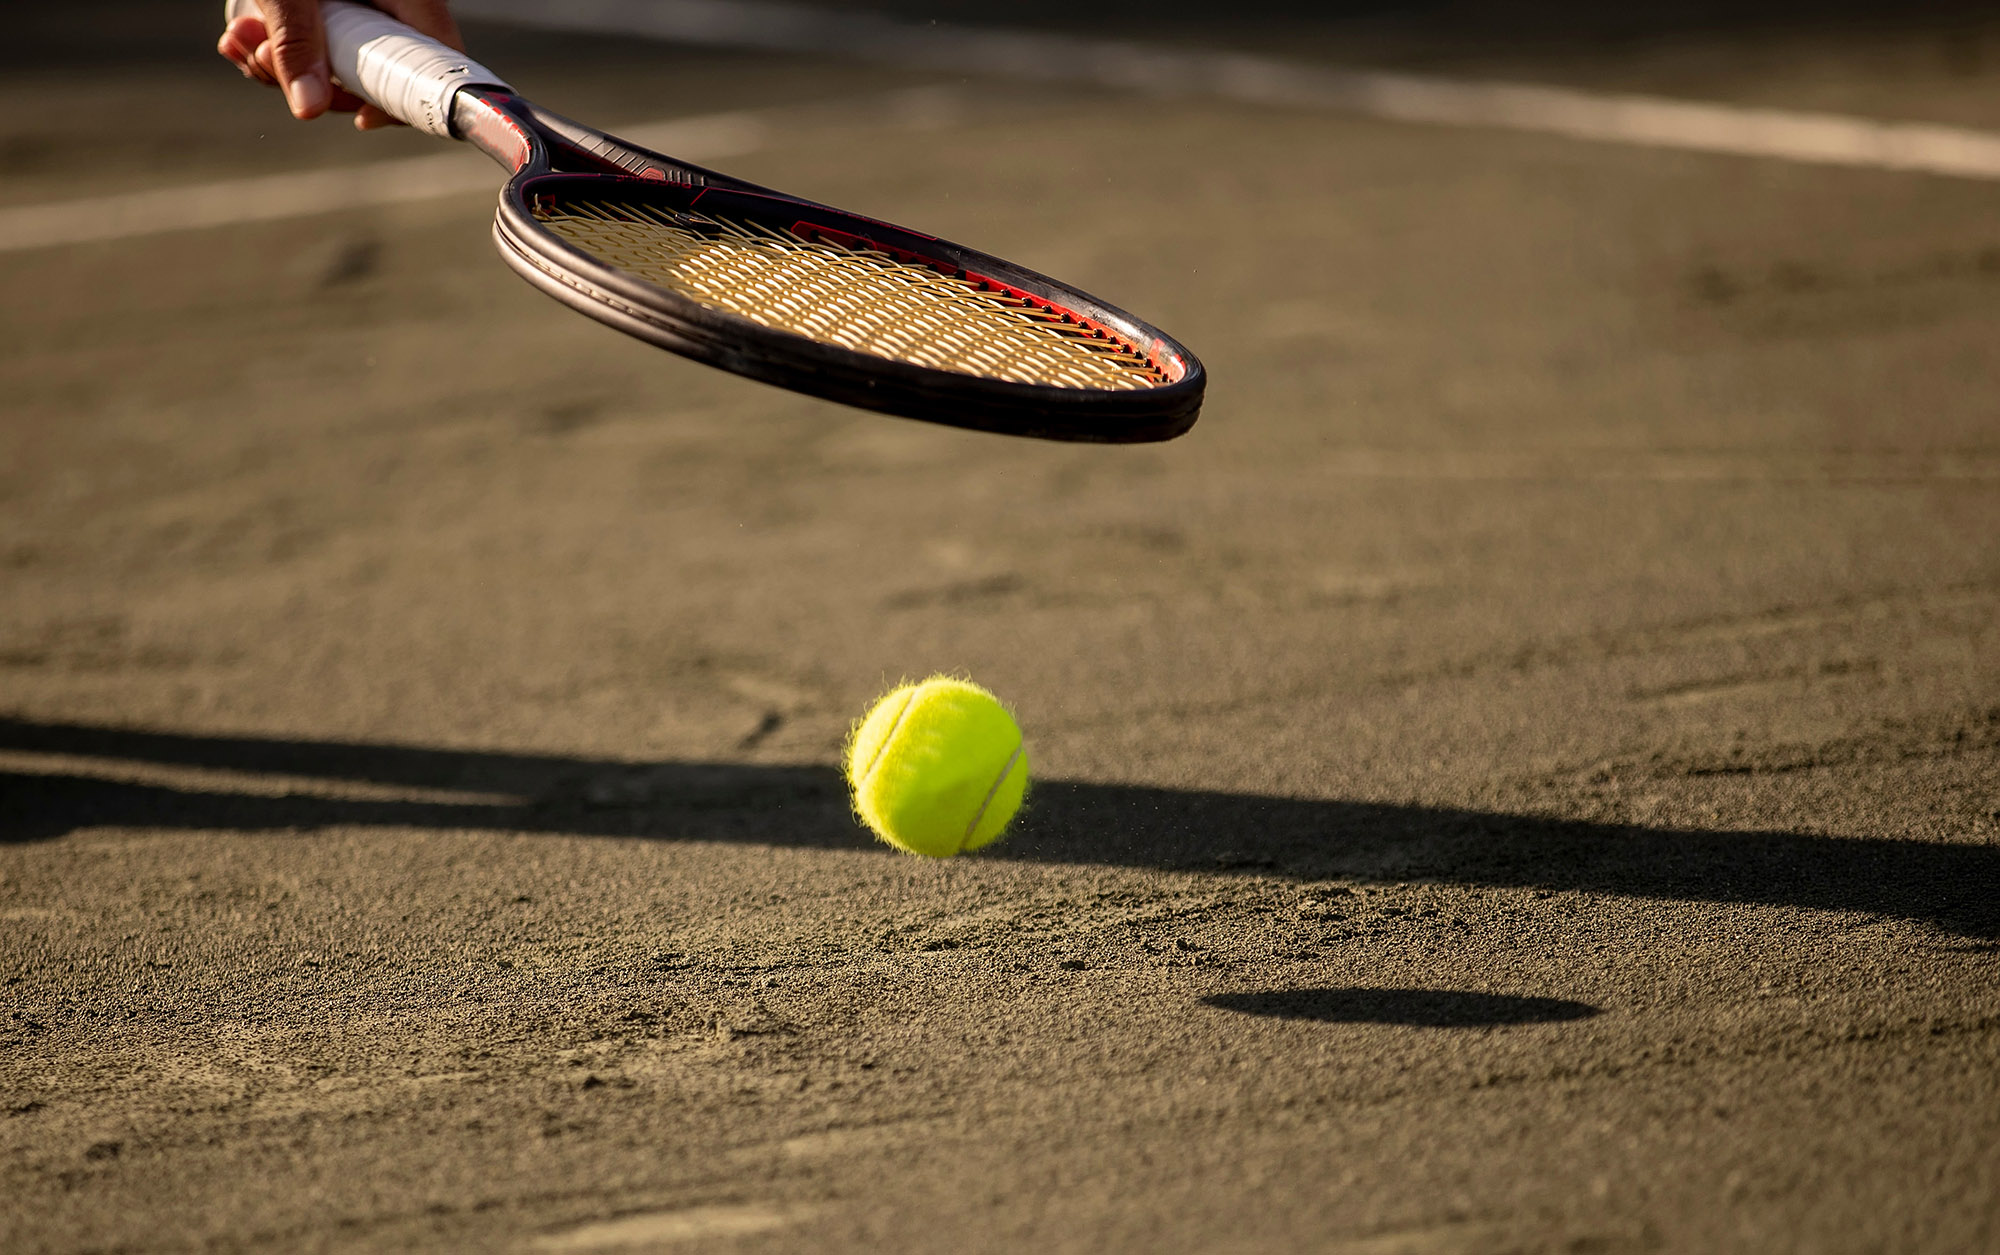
[408, 76]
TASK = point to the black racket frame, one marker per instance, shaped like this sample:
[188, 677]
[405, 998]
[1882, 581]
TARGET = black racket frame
[550, 154]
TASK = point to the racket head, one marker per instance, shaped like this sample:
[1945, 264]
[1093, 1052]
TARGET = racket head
[820, 301]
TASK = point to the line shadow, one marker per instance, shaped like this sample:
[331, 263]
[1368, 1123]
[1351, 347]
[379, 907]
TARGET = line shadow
[1953, 887]
[1420, 1008]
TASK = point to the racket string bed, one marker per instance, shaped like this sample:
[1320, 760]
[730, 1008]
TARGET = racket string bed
[852, 296]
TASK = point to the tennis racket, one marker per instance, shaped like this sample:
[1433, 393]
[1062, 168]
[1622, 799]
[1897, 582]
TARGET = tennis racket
[770, 286]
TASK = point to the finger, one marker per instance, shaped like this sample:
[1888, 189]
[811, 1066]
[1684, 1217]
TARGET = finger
[430, 17]
[297, 46]
[345, 101]
[369, 118]
[239, 44]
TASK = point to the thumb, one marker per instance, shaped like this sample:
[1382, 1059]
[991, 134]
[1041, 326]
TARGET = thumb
[296, 52]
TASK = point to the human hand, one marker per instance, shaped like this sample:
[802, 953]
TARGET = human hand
[286, 48]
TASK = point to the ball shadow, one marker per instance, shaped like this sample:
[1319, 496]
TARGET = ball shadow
[1420, 1008]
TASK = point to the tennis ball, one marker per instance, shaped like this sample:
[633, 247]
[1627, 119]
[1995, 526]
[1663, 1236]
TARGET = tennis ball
[937, 768]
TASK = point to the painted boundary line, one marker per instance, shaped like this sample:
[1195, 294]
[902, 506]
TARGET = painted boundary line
[1822, 138]
[265, 198]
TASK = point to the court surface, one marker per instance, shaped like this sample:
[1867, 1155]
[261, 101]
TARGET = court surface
[1522, 775]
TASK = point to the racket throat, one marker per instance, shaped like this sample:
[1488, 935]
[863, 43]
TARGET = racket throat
[577, 149]
[523, 136]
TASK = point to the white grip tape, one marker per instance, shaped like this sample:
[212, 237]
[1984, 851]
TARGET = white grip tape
[410, 77]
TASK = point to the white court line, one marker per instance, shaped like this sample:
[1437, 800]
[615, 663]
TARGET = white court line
[1657, 466]
[264, 198]
[653, 1229]
[1824, 138]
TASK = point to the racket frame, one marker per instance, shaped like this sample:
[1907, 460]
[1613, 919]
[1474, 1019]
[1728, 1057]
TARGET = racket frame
[549, 155]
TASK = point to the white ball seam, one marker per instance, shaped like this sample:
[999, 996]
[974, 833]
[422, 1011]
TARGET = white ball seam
[861, 781]
[991, 793]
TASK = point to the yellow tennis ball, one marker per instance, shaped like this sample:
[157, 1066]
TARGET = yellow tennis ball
[937, 768]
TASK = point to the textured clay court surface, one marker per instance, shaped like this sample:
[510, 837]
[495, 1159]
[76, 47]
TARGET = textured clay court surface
[1522, 775]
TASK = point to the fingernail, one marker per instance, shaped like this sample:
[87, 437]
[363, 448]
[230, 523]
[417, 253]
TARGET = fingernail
[309, 94]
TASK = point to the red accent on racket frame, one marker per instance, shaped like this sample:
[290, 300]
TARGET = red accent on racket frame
[1172, 368]
[495, 131]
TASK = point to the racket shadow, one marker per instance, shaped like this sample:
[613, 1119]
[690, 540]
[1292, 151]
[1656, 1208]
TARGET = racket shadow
[101, 778]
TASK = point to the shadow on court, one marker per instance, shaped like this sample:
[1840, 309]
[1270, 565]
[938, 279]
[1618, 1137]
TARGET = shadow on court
[1418, 1008]
[1953, 887]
